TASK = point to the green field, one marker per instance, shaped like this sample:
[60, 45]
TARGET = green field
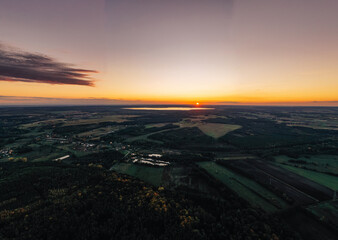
[321, 178]
[247, 189]
[240, 157]
[98, 132]
[40, 152]
[215, 130]
[99, 119]
[152, 175]
[50, 157]
[144, 138]
[319, 163]
[43, 123]
[155, 125]
[326, 212]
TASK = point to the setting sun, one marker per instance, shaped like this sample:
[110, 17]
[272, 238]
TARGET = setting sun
[197, 104]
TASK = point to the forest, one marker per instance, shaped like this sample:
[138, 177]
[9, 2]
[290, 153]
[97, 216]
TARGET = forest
[61, 201]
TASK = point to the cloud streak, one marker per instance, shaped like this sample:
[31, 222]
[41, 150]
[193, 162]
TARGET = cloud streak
[18, 66]
[45, 101]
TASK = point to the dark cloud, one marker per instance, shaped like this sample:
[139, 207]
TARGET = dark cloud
[41, 101]
[18, 66]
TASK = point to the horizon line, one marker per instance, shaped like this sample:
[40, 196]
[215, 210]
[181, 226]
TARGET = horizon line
[165, 105]
[7, 101]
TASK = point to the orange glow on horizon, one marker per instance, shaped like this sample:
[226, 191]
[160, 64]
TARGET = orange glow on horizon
[218, 53]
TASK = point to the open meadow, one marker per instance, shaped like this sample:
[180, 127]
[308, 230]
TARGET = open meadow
[326, 212]
[149, 174]
[99, 119]
[214, 130]
[321, 178]
[318, 163]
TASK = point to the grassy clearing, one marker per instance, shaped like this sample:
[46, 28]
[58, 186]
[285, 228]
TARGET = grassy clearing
[40, 153]
[245, 157]
[321, 178]
[215, 130]
[316, 126]
[34, 145]
[69, 149]
[156, 125]
[112, 118]
[145, 137]
[98, 132]
[152, 175]
[247, 189]
[42, 123]
[205, 117]
[50, 157]
[326, 212]
[320, 163]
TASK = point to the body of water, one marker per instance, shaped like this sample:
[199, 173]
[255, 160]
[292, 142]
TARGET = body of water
[169, 108]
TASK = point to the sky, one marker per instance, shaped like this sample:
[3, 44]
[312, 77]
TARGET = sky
[261, 52]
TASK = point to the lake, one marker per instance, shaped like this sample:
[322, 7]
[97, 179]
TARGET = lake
[169, 108]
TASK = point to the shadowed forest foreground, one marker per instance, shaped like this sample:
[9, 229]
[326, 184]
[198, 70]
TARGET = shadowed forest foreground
[59, 201]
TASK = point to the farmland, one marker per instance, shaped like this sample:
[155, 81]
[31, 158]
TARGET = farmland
[99, 119]
[98, 132]
[145, 137]
[326, 212]
[294, 188]
[321, 178]
[319, 163]
[43, 123]
[247, 189]
[215, 130]
[248, 160]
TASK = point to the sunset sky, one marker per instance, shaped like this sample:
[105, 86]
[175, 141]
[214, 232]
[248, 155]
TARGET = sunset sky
[282, 52]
